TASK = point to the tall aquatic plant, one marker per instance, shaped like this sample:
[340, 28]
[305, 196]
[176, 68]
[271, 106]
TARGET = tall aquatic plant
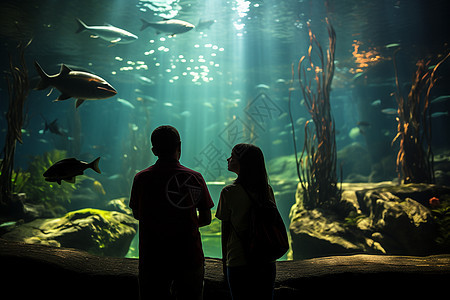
[316, 168]
[415, 156]
[18, 88]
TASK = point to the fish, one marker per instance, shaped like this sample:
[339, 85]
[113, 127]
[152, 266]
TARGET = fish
[393, 45]
[53, 127]
[354, 133]
[67, 169]
[439, 114]
[300, 121]
[186, 114]
[277, 142]
[144, 80]
[262, 86]
[171, 26]
[204, 24]
[125, 103]
[389, 111]
[75, 84]
[440, 99]
[376, 102]
[108, 33]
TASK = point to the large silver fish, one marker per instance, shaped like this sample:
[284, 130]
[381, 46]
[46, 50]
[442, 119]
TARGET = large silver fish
[172, 26]
[67, 169]
[75, 84]
[108, 33]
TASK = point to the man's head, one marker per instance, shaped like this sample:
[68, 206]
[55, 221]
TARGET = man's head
[166, 142]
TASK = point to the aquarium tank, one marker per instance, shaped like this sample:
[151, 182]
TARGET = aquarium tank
[348, 100]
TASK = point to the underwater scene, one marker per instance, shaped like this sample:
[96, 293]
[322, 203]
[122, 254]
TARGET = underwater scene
[348, 100]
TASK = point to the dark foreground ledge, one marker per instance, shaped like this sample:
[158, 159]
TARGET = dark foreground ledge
[32, 271]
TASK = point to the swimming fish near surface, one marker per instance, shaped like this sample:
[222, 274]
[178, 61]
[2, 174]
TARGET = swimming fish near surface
[67, 169]
[108, 33]
[75, 84]
[172, 26]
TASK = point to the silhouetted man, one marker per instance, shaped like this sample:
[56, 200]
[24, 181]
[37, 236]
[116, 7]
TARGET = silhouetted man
[165, 199]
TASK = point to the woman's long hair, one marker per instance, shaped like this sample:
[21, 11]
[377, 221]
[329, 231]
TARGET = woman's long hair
[252, 174]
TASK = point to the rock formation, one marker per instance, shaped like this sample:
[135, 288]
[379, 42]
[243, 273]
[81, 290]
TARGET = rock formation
[96, 231]
[371, 218]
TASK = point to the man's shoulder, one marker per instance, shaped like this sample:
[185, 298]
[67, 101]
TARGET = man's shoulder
[188, 170]
[144, 172]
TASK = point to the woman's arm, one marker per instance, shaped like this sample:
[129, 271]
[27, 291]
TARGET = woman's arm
[225, 235]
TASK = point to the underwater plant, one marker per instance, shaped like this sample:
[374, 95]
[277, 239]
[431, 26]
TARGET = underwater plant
[18, 88]
[316, 168]
[441, 214]
[414, 163]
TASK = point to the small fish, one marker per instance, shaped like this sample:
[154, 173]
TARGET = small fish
[440, 99]
[202, 25]
[354, 133]
[262, 86]
[74, 84]
[125, 103]
[393, 45]
[108, 33]
[172, 26]
[389, 111]
[53, 127]
[133, 127]
[186, 114]
[67, 169]
[277, 142]
[376, 102]
[208, 105]
[300, 121]
[98, 187]
[439, 114]
[357, 75]
[144, 80]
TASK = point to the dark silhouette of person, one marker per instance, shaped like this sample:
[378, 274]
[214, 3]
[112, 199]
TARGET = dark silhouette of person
[165, 198]
[246, 280]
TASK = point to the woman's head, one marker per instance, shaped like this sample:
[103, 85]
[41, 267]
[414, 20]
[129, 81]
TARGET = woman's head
[247, 161]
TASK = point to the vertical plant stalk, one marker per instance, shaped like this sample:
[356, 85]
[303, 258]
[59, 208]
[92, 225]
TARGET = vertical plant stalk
[18, 88]
[317, 163]
[414, 163]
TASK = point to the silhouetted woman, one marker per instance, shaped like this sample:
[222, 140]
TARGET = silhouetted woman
[246, 280]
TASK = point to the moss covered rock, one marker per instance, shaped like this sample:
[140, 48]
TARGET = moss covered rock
[96, 231]
[377, 218]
